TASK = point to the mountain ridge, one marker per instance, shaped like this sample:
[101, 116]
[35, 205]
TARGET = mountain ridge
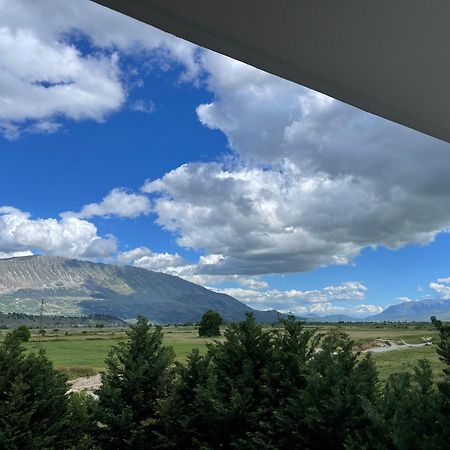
[74, 287]
[416, 310]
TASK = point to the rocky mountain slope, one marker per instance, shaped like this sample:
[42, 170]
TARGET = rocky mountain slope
[419, 310]
[72, 287]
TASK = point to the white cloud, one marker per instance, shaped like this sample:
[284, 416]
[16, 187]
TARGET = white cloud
[403, 299]
[143, 106]
[46, 75]
[349, 290]
[42, 80]
[44, 127]
[361, 311]
[174, 264]
[5, 255]
[444, 280]
[311, 181]
[119, 203]
[441, 288]
[70, 236]
[262, 220]
[145, 258]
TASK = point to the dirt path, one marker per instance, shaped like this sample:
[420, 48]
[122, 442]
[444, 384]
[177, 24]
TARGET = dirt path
[393, 346]
[85, 384]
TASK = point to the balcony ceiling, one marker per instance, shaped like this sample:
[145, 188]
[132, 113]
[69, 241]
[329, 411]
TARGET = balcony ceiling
[390, 58]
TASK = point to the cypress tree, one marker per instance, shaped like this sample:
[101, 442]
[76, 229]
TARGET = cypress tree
[329, 405]
[228, 403]
[34, 407]
[138, 376]
[181, 413]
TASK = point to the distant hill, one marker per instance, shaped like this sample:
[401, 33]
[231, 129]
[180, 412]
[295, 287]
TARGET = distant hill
[80, 288]
[311, 317]
[419, 311]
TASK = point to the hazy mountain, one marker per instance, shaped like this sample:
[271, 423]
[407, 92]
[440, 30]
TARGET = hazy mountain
[72, 287]
[419, 310]
[312, 317]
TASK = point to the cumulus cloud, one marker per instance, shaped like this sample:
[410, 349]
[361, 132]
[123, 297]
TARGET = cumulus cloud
[361, 311]
[311, 181]
[46, 75]
[41, 80]
[119, 203]
[145, 258]
[319, 301]
[349, 290]
[261, 220]
[70, 236]
[174, 264]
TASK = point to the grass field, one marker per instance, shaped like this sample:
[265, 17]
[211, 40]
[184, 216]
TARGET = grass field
[405, 360]
[82, 352]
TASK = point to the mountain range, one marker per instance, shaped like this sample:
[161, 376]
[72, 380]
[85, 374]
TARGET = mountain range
[81, 288]
[418, 310]
[75, 288]
[312, 317]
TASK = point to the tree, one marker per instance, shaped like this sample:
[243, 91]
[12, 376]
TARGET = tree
[408, 411]
[443, 351]
[328, 402]
[181, 413]
[210, 324]
[138, 377]
[34, 407]
[229, 402]
[23, 333]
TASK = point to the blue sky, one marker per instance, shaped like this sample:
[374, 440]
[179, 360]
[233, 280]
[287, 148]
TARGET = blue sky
[122, 144]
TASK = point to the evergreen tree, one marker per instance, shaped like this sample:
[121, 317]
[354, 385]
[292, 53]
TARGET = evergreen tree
[329, 405]
[181, 414]
[210, 324]
[34, 407]
[138, 376]
[443, 351]
[293, 347]
[227, 404]
[409, 410]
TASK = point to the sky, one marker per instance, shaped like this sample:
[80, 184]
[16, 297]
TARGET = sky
[122, 144]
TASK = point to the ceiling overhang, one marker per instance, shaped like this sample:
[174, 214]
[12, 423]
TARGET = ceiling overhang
[390, 58]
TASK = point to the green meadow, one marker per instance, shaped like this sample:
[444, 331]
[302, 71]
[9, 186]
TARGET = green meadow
[79, 352]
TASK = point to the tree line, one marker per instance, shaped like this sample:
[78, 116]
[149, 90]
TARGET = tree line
[290, 388]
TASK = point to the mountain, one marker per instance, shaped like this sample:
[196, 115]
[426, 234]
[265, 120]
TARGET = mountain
[419, 311]
[76, 288]
[312, 317]
[339, 318]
